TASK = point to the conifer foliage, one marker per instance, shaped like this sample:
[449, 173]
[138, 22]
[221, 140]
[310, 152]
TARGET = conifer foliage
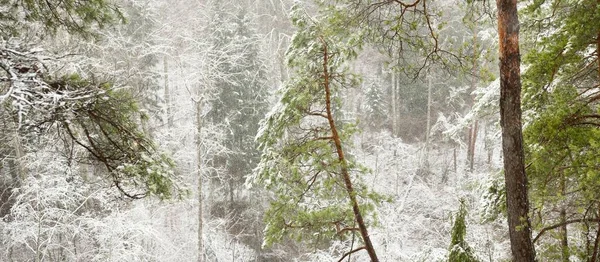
[43, 95]
[562, 99]
[460, 251]
[318, 193]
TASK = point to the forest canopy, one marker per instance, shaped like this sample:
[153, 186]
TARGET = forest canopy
[304, 130]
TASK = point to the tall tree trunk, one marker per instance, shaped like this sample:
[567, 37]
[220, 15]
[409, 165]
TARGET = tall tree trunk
[598, 50]
[473, 129]
[16, 166]
[487, 143]
[564, 241]
[345, 173]
[393, 114]
[454, 164]
[596, 242]
[167, 94]
[512, 135]
[428, 126]
[199, 167]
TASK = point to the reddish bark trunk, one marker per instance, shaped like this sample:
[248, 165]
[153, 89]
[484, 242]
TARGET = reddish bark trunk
[345, 175]
[512, 134]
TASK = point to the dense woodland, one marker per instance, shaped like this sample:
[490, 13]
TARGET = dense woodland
[306, 130]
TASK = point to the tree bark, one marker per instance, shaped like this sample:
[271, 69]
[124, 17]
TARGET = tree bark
[167, 94]
[598, 49]
[596, 244]
[428, 126]
[199, 167]
[564, 240]
[16, 165]
[344, 166]
[393, 115]
[512, 134]
[473, 129]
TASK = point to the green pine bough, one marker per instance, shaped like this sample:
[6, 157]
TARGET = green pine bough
[319, 196]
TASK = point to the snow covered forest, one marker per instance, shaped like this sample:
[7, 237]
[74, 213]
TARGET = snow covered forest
[300, 130]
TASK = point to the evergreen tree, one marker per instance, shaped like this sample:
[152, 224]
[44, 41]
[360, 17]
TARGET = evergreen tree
[77, 17]
[375, 108]
[460, 251]
[561, 99]
[318, 193]
[240, 97]
[515, 178]
[46, 94]
[238, 100]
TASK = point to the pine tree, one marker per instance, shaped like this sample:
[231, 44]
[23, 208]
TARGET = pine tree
[515, 178]
[561, 98]
[77, 17]
[85, 107]
[318, 194]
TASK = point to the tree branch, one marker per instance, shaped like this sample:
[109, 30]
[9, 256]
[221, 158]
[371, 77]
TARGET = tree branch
[351, 252]
[582, 220]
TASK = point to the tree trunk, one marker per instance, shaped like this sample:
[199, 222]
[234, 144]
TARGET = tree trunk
[564, 241]
[167, 94]
[17, 169]
[199, 167]
[596, 243]
[598, 49]
[393, 114]
[473, 129]
[428, 126]
[512, 135]
[454, 164]
[487, 144]
[345, 173]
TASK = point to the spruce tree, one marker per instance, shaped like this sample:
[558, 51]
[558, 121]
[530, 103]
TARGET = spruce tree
[460, 251]
[239, 93]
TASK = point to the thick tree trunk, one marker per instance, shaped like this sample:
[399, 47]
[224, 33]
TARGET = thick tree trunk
[345, 173]
[512, 134]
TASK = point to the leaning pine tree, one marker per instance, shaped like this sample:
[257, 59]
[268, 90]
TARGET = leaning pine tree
[318, 194]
